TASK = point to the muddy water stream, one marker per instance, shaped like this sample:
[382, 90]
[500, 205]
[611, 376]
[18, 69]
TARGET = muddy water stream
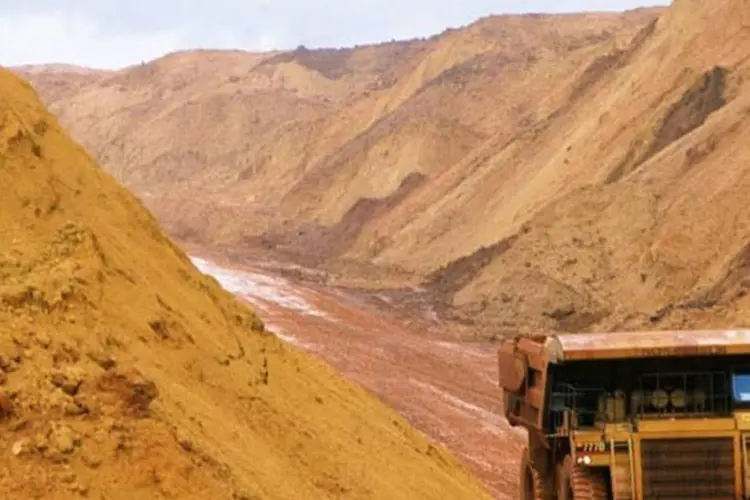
[445, 389]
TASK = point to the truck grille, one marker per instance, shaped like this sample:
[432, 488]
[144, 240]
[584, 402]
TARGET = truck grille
[688, 469]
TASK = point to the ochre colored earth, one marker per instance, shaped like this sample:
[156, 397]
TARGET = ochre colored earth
[552, 172]
[126, 373]
[381, 163]
[521, 174]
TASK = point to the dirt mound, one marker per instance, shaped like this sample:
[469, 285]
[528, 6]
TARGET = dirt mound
[629, 234]
[125, 372]
[314, 244]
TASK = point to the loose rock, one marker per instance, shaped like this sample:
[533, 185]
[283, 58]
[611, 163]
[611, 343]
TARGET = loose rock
[63, 439]
[21, 447]
[68, 380]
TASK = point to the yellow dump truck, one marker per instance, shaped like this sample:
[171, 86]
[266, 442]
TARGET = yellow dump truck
[638, 416]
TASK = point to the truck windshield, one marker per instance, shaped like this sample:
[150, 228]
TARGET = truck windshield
[741, 387]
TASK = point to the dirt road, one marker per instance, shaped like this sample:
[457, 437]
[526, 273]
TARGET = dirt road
[445, 389]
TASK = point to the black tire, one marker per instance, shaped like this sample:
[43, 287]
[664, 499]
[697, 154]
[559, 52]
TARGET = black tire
[576, 482]
[531, 482]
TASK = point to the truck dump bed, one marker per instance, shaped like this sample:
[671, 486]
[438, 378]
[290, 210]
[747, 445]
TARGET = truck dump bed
[619, 345]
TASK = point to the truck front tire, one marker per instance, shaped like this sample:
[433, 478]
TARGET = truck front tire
[532, 484]
[576, 482]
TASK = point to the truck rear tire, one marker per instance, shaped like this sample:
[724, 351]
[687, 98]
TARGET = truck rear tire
[576, 482]
[532, 485]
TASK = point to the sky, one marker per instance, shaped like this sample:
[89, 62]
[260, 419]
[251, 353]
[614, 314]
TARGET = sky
[117, 33]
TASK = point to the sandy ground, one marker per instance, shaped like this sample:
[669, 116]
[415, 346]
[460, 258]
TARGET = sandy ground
[445, 389]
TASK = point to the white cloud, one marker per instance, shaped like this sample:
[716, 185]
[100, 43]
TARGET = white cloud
[74, 38]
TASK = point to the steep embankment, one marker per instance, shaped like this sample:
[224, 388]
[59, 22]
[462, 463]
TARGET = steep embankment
[124, 372]
[640, 190]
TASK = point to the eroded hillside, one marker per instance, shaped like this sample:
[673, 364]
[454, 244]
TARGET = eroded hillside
[562, 172]
[231, 146]
[124, 372]
[644, 226]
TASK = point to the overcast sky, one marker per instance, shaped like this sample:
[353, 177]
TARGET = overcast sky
[116, 33]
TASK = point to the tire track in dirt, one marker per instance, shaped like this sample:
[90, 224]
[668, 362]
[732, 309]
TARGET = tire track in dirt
[445, 389]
